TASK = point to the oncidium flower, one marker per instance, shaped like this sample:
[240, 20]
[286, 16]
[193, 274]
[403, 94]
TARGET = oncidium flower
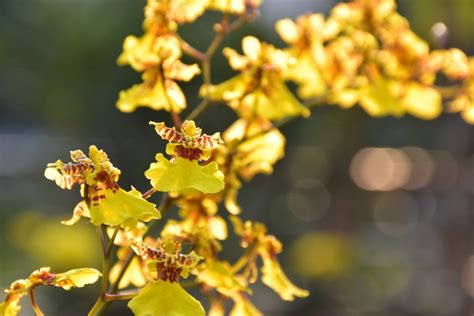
[260, 89]
[254, 236]
[104, 201]
[44, 276]
[135, 273]
[253, 148]
[165, 296]
[184, 172]
[157, 55]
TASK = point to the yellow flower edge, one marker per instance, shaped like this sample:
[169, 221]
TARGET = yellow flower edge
[123, 208]
[163, 298]
[274, 277]
[182, 175]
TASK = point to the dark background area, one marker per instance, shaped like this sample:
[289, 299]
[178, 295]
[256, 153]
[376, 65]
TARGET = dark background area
[403, 248]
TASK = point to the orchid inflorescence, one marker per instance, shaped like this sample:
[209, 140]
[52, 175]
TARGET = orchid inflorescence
[364, 53]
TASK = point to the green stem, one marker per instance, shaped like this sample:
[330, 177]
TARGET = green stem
[101, 305]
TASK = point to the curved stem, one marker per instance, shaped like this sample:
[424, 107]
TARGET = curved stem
[35, 306]
[224, 28]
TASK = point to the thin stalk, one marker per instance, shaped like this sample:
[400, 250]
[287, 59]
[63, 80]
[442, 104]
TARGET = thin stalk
[35, 306]
[148, 193]
[100, 305]
[123, 295]
[224, 28]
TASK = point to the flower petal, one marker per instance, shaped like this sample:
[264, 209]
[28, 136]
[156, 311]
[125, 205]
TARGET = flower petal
[76, 278]
[182, 174]
[123, 208]
[162, 298]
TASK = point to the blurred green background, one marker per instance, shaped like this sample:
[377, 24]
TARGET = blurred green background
[401, 244]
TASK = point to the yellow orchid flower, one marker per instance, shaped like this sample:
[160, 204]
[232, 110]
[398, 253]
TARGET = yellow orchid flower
[44, 276]
[158, 57]
[267, 246]
[104, 201]
[157, 54]
[260, 89]
[255, 148]
[219, 275]
[306, 38]
[165, 296]
[183, 172]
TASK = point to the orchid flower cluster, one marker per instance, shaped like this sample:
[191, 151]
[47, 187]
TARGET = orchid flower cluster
[364, 53]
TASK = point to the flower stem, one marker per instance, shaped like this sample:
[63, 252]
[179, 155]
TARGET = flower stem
[223, 29]
[35, 306]
[101, 304]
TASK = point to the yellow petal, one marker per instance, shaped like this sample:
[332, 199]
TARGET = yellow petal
[162, 298]
[259, 154]
[139, 52]
[133, 275]
[233, 185]
[274, 102]
[76, 278]
[378, 98]
[182, 174]
[79, 211]
[228, 6]
[219, 275]
[288, 30]
[252, 48]
[273, 277]
[232, 89]
[177, 70]
[186, 11]
[422, 101]
[218, 227]
[468, 113]
[243, 307]
[123, 208]
[236, 61]
[10, 308]
[308, 76]
[160, 95]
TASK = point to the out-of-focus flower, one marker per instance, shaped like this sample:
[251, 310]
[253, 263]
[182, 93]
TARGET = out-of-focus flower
[252, 148]
[157, 54]
[183, 172]
[158, 57]
[243, 307]
[385, 68]
[260, 89]
[233, 6]
[254, 236]
[104, 201]
[464, 100]
[306, 38]
[43, 276]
